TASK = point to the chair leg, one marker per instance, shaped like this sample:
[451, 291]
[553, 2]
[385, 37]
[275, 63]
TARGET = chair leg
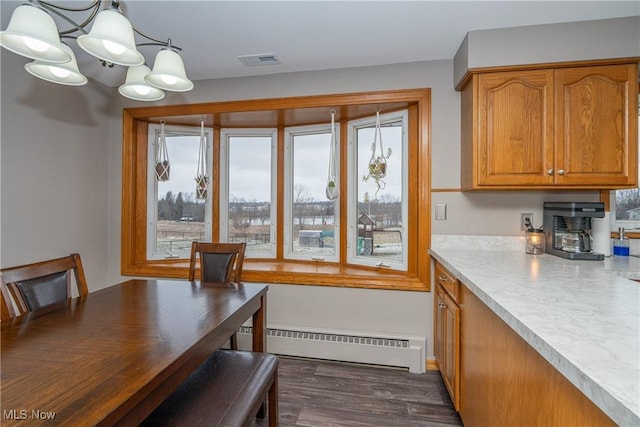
[274, 416]
[233, 341]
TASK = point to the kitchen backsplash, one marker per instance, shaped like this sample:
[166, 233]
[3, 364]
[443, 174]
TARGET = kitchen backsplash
[495, 243]
[487, 243]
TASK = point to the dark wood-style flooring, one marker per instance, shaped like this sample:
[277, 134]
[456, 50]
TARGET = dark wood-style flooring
[319, 393]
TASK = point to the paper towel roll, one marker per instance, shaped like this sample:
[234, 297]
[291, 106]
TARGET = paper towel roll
[601, 232]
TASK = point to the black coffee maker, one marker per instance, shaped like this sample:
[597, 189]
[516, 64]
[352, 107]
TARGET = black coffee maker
[567, 229]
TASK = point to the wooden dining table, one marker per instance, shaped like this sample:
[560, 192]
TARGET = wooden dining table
[113, 356]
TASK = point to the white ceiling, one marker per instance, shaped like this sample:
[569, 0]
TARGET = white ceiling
[318, 35]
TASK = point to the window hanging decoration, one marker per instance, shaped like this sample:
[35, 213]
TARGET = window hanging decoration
[332, 191]
[162, 156]
[202, 177]
[377, 163]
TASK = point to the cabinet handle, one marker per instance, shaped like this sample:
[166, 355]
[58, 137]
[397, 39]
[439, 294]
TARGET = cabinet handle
[441, 305]
[549, 171]
[442, 277]
[561, 172]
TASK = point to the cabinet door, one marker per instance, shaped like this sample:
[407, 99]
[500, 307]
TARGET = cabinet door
[447, 341]
[438, 332]
[451, 346]
[596, 120]
[515, 128]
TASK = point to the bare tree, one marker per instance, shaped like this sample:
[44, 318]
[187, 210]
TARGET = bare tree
[301, 198]
[237, 216]
[264, 212]
[625, 201]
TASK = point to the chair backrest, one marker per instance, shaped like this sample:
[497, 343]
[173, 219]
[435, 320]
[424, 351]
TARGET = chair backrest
[219, 262]
[43, 283]
[6, 304]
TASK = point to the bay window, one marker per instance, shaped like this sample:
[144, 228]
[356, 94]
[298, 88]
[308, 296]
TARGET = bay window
[269, 165]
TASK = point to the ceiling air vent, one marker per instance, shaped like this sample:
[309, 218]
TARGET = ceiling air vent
[259, 59]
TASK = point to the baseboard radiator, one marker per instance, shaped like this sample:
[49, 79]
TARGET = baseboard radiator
[404, 352]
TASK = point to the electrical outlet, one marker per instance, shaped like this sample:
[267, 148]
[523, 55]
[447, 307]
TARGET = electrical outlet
[523, 220]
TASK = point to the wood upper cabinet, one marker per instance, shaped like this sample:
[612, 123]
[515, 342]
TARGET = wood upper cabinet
[515, 128]
[596, 125]
[551, 128]
[447, 331]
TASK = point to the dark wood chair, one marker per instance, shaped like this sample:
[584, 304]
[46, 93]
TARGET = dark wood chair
[219, 262]
[43, 283]
[227, 390]
[6, 304]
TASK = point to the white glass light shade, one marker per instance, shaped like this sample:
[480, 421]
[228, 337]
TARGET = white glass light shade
[135, 87]
[64, 74]
[33, 33]
[168, 72]
[111, 39]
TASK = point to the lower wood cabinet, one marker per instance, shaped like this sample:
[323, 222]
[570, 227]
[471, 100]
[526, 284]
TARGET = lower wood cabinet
[505, 382]
[447, 331]
[494, 377]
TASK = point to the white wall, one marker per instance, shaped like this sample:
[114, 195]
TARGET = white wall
[54, 170]
[539, 44]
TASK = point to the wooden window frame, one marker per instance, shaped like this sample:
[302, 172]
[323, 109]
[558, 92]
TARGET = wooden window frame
[286, 112]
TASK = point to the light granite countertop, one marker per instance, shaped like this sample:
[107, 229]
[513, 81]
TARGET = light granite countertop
[581, 316]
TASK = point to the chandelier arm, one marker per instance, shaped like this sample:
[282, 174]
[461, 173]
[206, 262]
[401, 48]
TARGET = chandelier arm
[158, 42]
[94, 3]
[164, 44]
[76, 27]
[55, 9]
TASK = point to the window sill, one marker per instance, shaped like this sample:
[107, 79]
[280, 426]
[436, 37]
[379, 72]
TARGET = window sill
[299, 273]
[629, 234]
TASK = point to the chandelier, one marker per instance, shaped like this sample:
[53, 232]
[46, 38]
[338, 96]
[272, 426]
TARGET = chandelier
[32, 33]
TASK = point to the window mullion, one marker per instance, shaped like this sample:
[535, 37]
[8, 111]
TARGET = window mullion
[215, 185]
[280, 199]
[344, 191]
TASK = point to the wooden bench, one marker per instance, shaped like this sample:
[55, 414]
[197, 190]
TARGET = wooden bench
[227, 390]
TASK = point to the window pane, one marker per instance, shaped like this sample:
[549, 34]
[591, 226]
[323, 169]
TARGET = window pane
[249, 202]
[379, 213]
[628, 209]
[178, 217]
[312, 220]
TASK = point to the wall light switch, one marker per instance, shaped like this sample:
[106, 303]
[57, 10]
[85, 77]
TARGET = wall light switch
[441, 211]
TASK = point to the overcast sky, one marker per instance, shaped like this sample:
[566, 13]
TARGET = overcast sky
[250, 164]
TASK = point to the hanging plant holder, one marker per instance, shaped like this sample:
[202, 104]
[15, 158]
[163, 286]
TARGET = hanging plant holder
[202, 187]
[162, 165]
[377, 168]
[202, 177]
[332, 191]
